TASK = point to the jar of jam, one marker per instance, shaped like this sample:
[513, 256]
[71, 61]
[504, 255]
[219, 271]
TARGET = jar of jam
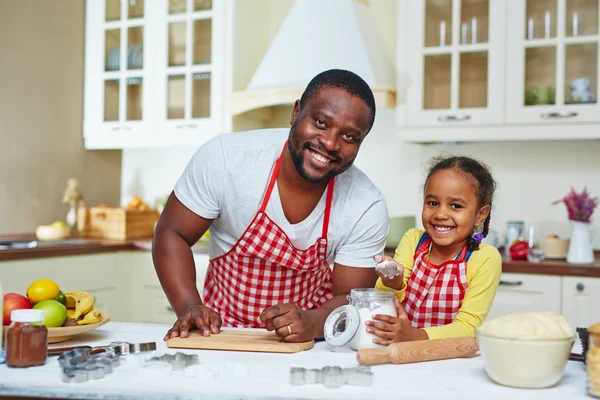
[26, 339]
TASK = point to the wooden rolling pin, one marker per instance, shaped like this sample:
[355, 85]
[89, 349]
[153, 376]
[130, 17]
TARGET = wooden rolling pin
[418, 351]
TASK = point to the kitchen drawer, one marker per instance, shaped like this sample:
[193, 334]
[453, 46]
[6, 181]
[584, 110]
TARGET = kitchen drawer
[527, 292]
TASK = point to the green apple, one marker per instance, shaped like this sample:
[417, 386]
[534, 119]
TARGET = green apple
[55, 314]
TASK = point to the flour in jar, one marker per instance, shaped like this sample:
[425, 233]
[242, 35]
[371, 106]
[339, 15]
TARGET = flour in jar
[363, 339]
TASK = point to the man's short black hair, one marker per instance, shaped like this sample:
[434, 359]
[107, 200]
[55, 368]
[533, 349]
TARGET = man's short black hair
[340, 78]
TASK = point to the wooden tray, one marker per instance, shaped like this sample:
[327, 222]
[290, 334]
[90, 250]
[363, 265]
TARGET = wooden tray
[239, 340]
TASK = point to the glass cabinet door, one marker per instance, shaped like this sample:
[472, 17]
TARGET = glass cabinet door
[454, 60]
[124, 69]
[553, 61]
[189, 66]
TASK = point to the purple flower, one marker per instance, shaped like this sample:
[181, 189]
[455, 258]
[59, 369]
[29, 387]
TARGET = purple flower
[580, 206]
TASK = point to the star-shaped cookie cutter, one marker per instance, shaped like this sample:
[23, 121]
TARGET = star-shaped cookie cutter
[332, 376]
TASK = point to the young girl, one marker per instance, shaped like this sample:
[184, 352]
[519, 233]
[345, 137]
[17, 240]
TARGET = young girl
[449, 279]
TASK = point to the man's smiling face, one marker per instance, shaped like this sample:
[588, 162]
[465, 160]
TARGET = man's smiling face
[326, 133]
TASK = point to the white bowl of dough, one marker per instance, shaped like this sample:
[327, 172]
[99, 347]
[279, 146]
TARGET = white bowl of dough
[526, 350]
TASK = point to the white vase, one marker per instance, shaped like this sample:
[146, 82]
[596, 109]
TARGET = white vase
[580, 248]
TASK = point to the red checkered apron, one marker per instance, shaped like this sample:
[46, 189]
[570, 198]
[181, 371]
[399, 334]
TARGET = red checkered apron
[435, 293]
[264, 268]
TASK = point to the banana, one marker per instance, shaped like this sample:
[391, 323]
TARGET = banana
[91, 317]
[82, 301]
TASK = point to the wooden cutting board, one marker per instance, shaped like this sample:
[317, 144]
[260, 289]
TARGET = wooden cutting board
[239, 340]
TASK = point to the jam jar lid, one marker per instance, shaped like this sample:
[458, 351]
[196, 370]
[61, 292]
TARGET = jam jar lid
[27, 316]
[341, 325]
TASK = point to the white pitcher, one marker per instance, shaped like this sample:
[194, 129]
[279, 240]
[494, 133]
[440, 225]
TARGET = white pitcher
[581, 249]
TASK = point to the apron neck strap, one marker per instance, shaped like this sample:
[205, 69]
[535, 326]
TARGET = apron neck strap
[271, 185]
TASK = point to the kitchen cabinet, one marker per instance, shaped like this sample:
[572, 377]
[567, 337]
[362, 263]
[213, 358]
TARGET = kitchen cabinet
[103, 275]
[151, 304]
[124, 284]
[552, 61]
[154, 72]
[528, 69]
[454, 61]
[527, 292]
[581, 300]
[576, 298]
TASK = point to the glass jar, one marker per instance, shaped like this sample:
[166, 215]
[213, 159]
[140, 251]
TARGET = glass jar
[592, 360]
[346, 324]
[26, 339]
[514, 230]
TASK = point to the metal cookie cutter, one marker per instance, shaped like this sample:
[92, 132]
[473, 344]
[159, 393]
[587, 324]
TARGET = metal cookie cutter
[79, 365]
[165, 365]
[179, 361]
[123, 348]
[119, 348]
[332, 376]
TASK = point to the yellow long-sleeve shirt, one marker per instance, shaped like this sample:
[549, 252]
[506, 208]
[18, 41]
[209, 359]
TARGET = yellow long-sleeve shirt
[483, 276]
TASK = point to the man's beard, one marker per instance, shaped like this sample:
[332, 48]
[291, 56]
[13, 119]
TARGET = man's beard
[298, 160]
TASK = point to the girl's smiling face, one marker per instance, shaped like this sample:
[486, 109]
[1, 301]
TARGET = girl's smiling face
[451, 208]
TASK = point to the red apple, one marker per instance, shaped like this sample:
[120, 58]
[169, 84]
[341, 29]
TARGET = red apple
[14, 301]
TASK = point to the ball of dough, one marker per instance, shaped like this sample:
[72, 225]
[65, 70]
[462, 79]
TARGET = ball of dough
[528, 326]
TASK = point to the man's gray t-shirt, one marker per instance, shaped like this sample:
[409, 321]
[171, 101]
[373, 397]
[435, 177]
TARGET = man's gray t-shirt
[227, 178]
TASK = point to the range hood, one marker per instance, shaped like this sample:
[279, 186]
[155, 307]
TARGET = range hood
[315, 36]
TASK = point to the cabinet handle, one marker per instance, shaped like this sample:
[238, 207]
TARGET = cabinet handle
[511, 283]
[121, 128]
[453, 118]
[580, 287]
[183, 126]
[550, 115]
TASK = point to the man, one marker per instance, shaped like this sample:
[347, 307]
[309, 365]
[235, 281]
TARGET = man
[281, 206]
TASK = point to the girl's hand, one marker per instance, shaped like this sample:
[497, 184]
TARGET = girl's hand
[391, 273]
[390, 329]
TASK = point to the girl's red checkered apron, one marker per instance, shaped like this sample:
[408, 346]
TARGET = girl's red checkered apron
[435, 292]
[264, 268]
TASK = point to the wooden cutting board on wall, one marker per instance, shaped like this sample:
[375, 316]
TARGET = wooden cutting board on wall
[239, 340]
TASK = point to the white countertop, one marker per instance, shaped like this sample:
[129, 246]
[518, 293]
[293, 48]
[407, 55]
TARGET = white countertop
[266, 376]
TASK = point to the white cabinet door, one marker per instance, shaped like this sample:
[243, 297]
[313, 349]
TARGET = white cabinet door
[190, 69]
[154, 72]
[99, 274]
[455, 62]
[150, 303]
[552, 61]
[526, 292]
[118, 72]
[581, 300]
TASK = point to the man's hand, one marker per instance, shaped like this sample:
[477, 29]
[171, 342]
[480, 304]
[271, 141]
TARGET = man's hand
[289, 322]
[392, 329]
[391, 273]
[200, 317]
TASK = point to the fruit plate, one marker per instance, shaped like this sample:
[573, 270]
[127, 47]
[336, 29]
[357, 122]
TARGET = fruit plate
[64, 333]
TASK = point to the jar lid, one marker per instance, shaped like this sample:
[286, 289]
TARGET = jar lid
[341, 325]
[27, 315]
